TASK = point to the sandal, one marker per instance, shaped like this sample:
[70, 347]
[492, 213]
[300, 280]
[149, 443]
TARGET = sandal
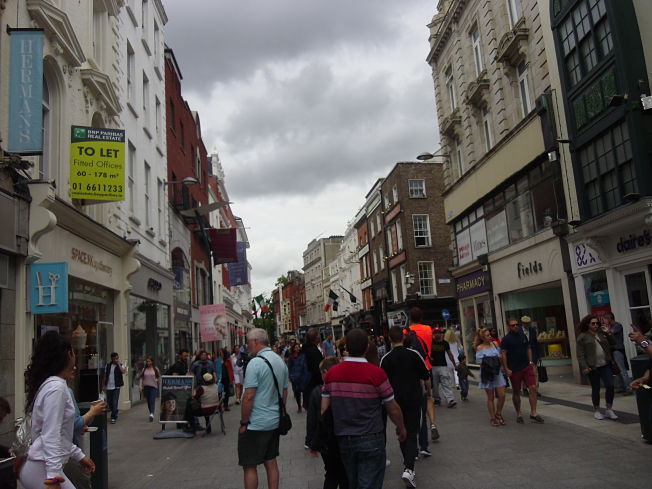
[519, 419]
[500, 419]
[494, 422]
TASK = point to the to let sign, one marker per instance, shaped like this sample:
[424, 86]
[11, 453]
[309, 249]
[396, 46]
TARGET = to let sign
[48, 288]
[97, 163]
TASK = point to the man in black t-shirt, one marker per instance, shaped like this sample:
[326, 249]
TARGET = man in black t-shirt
[517, 351]
[440, 372]
[406, 371]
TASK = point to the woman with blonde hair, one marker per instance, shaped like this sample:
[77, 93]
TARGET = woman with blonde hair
[451, 338]
[492, 380]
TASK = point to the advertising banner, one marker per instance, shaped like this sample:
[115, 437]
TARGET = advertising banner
[212, 322]
[26, 92]
[238, 272]
[176, 390]
[464, 254]
[97, 163]
[223, 244]
[478, 239]
[48, 288]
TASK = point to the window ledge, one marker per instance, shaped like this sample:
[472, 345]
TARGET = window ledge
[132, 109]
[418, 196]
[150, 232]
[159, 74]
[132, 16]
[135, 220]
[146, 46]
[163, 243]
[146, 131]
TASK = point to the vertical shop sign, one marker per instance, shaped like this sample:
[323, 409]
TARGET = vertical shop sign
[26, 92]
[464, 254]
[48, 288]
[212, 322]
[97, 163]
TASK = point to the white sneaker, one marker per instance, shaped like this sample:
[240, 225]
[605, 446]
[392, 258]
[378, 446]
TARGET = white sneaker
[598, 415]
[610, 414]
[409, 478]
[388, 462]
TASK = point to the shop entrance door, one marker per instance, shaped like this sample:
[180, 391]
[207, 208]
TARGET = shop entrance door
[638, 295]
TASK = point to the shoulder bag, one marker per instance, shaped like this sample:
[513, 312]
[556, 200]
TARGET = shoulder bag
[284, 421]
[542, 372]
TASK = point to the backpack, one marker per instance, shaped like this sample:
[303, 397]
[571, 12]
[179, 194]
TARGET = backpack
[299, 373]
[243, 358]
[417, 344]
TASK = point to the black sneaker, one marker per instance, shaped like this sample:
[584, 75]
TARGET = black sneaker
[425, 453]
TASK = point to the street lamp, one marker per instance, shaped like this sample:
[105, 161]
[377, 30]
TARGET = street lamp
[429, 156]
[188, 181]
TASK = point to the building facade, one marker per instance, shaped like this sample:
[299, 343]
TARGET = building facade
[318, 254]
[505, 188]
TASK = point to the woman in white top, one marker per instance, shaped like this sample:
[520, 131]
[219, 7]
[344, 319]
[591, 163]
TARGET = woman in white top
[53, 416]
[451, 338]
[237, 373]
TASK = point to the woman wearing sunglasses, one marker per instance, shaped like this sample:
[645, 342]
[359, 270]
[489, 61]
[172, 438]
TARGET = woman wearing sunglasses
[594, 358]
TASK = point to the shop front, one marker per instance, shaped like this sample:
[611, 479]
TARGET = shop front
[612, 266]
[150, 333]
[531, 281]
[474, 301]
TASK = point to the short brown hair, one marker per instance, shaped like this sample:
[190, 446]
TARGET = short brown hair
[312, 335]
[396, 334]
[327, 363]
[416, 315]
[357, 342]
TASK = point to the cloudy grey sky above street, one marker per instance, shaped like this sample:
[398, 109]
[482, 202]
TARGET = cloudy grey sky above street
[307, 102]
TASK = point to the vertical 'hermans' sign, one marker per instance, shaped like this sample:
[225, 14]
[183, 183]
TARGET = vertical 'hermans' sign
[97, 163]
[26, 92]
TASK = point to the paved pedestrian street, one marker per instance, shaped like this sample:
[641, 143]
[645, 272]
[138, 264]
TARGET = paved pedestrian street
[571, 450]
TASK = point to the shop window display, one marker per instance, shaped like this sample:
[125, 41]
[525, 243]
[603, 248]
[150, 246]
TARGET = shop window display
[88, 326]
[597, 293]
[546, 308]
[476, 313]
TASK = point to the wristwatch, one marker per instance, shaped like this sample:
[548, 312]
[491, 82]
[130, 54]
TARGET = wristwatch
[244, 424]
[644, 344]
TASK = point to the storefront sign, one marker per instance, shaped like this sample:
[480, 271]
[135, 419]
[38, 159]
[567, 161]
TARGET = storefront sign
[97, 163]
[464, 254]
[472, 284]
[530, 268]
[585, 256]
[154, 285]
[48, 288]
[182, 311]
[634, 241]
[212, 322]
[397, 318]
[88, 259]
[479, 239]
[26, 92]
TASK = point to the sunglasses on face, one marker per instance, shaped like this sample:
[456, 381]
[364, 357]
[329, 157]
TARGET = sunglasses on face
[594, 322]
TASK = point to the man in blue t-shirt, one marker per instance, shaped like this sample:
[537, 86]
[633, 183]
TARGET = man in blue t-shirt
[259, 436]
[517, 349]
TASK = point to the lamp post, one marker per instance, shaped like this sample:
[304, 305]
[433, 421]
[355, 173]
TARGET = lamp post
[188, 181]
[429, 156]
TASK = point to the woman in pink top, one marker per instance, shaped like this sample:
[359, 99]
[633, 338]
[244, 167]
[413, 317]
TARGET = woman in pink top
[149, 377]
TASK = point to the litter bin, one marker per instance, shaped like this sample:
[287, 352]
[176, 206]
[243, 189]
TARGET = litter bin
[99, 453]
[643, 398]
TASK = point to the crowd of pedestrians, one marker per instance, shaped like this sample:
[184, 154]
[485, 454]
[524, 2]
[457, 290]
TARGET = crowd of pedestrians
[349, 388]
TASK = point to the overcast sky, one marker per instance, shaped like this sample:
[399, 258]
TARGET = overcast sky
[307, 102]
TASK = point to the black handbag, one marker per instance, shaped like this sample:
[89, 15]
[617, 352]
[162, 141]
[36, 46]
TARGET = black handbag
[284, 421]
[542, 372]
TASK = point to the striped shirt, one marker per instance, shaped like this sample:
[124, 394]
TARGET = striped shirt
[357, 389]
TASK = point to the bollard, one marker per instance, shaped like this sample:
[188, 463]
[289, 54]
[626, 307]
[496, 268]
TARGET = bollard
[98, 449]
[643, 398]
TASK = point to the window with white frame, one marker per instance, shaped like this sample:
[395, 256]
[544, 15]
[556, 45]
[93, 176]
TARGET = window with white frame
[143, 17]
[372, 230]
[158, 116]
[145, 99]
[417, 188]
[486, 128]
[399, 235]
[148, 175]
[421, 226]
[379, 223]
[514, 10]
[131, 176]
[100, 21]
[395, 296]
[198, 168]
[381, 251]
[157, 40]
[457, 156]
[402, 285]
[477, 50]
[131, 66]
[524, 87]
[395, 194]
[372, 268]
[450, 88]
[426, 272]
[160, 192]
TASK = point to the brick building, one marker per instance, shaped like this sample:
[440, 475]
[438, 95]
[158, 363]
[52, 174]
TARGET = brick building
[415, 243]
[187, 158]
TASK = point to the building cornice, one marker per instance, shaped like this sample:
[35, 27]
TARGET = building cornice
[58, 29]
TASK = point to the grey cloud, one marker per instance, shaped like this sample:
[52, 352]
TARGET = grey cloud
[224, 40]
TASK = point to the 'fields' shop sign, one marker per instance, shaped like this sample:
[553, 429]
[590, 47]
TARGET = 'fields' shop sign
[472, 284]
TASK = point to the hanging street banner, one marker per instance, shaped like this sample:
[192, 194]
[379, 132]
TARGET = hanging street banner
[223, 244]
[212, 322]
[238, 272]
[26, 92]
[97, 163]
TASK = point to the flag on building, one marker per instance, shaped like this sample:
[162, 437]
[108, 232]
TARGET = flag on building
[264, 308]
[223, 244]
[332, 300]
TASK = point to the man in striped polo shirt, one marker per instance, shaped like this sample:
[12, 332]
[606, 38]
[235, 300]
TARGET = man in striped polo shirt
[355, 391]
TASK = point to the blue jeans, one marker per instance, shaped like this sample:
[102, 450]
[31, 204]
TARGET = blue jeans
[151, 393]
[623, 378]
[112, 397]
[423, 430]
[605, 374]
[364, 460]
[464, 387]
